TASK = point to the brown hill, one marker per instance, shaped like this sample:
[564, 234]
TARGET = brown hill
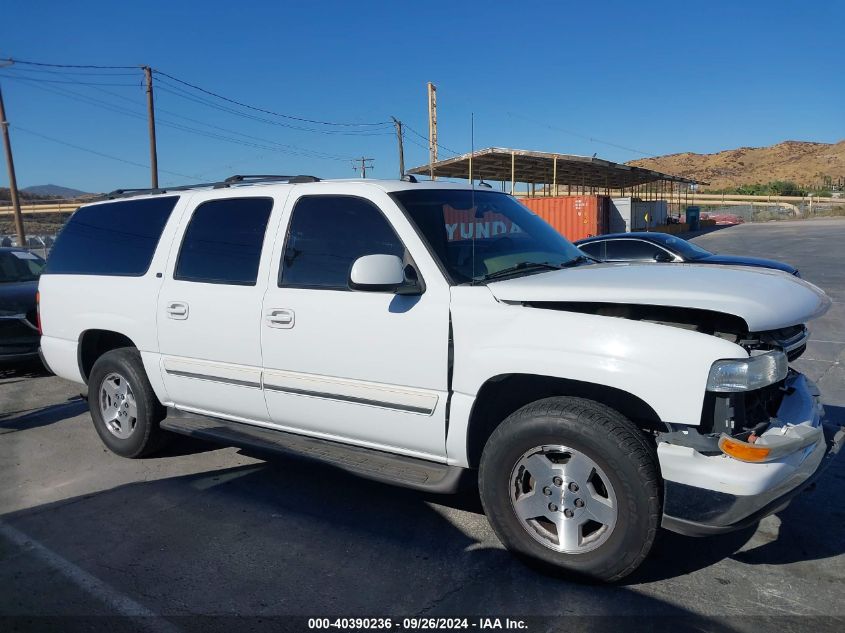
[801, 162]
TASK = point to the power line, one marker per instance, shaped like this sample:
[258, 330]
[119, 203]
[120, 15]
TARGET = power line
[282, 148]
[265, 111]
[217, 127]
[70, 72]
[417, 143]
[31, 63]
[312, 153]
[80, 74]
[425, 138]
[211, 93]
[98, 153]
[164, 86]
[316, 154]
[298, 152]
[63, 81]
[70, 94]
[183, 94]
[583, 136]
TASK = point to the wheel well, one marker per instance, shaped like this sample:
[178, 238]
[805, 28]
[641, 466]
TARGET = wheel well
[95, 343]
[502, 395]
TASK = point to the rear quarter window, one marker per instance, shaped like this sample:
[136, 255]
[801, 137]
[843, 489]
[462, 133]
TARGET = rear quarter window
[594, 249]
[111, 239]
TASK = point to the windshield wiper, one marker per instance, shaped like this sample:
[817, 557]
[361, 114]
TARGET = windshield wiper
[577, 260]
[519, 267]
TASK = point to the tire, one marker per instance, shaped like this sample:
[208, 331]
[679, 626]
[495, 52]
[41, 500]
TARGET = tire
[124, 408]
[594, 467]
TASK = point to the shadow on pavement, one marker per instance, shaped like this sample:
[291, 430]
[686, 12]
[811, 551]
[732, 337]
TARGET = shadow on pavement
[180, 445]
[291, 538]
[21, 420]
[675, 555]
[297, 538]
[22, 370]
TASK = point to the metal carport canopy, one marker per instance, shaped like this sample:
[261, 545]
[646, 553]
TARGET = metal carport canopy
[519, 165]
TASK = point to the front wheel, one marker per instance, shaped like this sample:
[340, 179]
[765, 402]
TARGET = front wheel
[124, 408]
[572, 483]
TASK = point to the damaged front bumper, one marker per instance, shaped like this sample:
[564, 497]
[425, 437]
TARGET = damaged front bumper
[714, 493]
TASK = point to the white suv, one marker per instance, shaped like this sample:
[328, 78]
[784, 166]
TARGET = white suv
[418, 332]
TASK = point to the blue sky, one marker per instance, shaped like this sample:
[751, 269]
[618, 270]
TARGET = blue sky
[573, 77]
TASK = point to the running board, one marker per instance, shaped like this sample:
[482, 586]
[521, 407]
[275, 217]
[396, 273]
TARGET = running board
[399, 470]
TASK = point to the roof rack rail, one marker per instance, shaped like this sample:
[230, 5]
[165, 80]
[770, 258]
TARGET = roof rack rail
[270, 178]
[232, 180]
[125, 193]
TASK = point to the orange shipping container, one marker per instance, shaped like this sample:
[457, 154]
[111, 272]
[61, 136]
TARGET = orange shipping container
[574, 217]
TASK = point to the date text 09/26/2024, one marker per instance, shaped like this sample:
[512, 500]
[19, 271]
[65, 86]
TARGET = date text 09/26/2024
[411, 624]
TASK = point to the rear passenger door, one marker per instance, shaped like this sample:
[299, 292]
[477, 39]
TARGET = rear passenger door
[209, 307]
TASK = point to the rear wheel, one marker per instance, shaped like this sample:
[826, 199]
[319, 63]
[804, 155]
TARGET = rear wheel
[571, 483]
[125, 411]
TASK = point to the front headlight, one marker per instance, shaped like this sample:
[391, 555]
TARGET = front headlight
[747, 374]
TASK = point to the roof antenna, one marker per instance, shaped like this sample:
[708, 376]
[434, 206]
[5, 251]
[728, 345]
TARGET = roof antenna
[472, 185]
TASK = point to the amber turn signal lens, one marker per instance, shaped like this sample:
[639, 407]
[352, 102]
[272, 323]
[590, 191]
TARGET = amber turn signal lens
[743, 451]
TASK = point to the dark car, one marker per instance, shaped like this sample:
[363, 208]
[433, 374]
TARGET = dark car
[19, 272]
[662, 247]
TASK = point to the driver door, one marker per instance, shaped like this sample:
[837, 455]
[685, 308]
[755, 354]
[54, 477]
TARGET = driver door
[363, 367]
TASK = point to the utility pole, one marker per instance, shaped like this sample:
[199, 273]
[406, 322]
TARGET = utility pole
[13, 183]
[432, 128]
[364, 166]
[398, 125]
[151, 116]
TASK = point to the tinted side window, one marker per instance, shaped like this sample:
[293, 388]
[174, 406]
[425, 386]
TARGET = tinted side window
[222, 244]
[19, 266]
[327, 234]
[631, 249]
[594, 249]
[115, 238]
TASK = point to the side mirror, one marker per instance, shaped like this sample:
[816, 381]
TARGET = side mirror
[383, 273]
[663, 257]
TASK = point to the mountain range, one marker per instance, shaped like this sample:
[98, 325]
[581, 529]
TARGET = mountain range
[802, 162]
[54, 190]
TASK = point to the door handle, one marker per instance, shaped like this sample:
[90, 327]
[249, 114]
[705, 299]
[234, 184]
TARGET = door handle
[280, 318]
[177, 310]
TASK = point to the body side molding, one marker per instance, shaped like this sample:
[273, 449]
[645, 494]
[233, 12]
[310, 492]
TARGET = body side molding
[401, 470]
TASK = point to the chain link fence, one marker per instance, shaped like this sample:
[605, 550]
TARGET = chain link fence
[38, 244]
[763, 211]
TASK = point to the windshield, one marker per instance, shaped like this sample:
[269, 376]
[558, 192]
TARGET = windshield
[16, 266]
[476, 235]
[685, 249]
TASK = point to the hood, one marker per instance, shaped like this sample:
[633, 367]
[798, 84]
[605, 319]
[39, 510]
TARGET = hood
[765, 299]
[18, 296]
[737, 260]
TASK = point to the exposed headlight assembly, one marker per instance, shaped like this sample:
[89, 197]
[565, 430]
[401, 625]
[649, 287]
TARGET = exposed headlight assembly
[747, 374]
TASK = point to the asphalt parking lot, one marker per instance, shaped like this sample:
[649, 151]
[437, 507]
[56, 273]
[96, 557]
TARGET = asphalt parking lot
[211, 531]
